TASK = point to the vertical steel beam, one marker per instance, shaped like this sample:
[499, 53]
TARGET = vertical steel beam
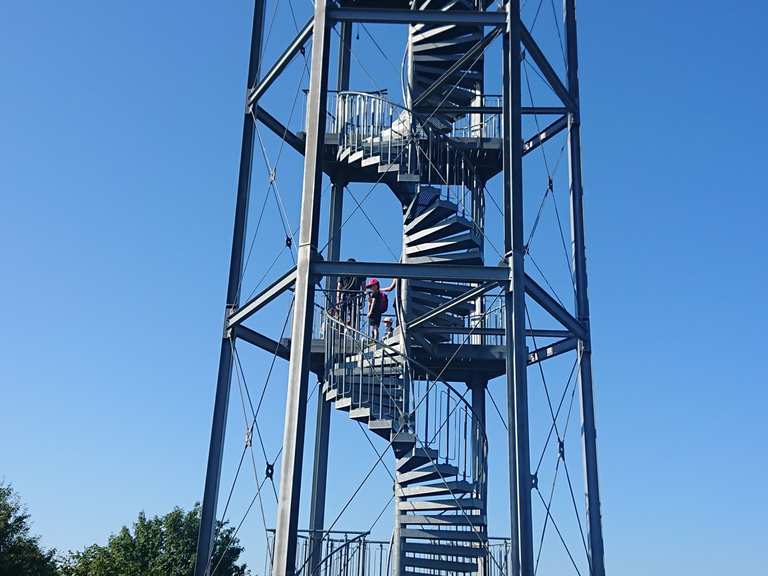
[206, 533]
[284, 560]
[517, 385]
[589, 433]
[323, 426]
[479, 453]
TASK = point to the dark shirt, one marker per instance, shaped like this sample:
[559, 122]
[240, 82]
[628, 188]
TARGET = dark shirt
[377, 304]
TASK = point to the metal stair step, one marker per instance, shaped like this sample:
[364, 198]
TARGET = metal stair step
[433, 301]
[432, 472]
[442, 520]
[416, 458]
[446, 319]
[371, 161]
[364, 414]
[450, 504]
[444, 550]
[443, 229]
[469, 257]
[438, 210]
[355, 156]
[386, 168]
[452, 45]
[446, 535]
[402, 443]
[351, 402]
[381, 428]
[447, 565]
[464, 241]
[437, 71]
[448, 289]
[442, 489]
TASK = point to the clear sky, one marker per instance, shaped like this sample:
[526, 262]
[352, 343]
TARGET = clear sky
[119, 140]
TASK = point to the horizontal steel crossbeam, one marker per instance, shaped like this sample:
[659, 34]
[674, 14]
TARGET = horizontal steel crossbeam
[394, 16]
[449, 273]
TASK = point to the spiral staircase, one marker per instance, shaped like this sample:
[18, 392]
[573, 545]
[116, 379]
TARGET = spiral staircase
[430, 158]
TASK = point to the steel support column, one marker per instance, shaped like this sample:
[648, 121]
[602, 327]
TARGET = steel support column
[284, 560]
[589, 433]
[517, 355]
[206, 533]
[323, 426]
[479, 452]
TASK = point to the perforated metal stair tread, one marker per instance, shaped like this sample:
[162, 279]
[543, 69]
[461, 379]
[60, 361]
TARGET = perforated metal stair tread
[451, 551]
[451, 504]
[441, 489]
[435, 564]
[443, 520]
[444, 535]
[416, 458]
[432, 472]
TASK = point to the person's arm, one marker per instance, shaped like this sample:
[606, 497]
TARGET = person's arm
[391, 287]
[370, 304]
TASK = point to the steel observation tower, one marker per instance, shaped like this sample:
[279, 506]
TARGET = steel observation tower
[461, 315]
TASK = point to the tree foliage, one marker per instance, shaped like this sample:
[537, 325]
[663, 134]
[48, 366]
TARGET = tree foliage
[157, 546]
[20, 552]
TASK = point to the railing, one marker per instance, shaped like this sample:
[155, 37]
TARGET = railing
[480, 124]
[341, 554]
[347, 553]
[378, 376]
[367, 373]
[498, 558]
[416, 149]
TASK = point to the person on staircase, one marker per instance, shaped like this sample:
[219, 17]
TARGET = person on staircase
[378, 303]
[389, 330]
[350, 297]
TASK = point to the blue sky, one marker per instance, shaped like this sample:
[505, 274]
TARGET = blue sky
[119, 138]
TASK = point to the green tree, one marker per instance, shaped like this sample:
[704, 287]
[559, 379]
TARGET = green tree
[20, 552]
[158, 546]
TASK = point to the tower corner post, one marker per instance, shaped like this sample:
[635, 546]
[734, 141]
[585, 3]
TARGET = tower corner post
[589, 433]
[207, 529]
[284, 559]
[517, 362]
[322, 430]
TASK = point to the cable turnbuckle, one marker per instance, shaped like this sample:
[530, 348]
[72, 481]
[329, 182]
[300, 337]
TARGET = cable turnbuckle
[270, 471]
[561, 449]
[534, 481]
[249, 437]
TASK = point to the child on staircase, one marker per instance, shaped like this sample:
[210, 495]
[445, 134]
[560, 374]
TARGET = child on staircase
[377, 304]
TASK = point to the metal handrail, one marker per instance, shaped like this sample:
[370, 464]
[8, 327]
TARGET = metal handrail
[416, 403]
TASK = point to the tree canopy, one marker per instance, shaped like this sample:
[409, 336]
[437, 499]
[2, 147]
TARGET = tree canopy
[20, 551]
[157, 546]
